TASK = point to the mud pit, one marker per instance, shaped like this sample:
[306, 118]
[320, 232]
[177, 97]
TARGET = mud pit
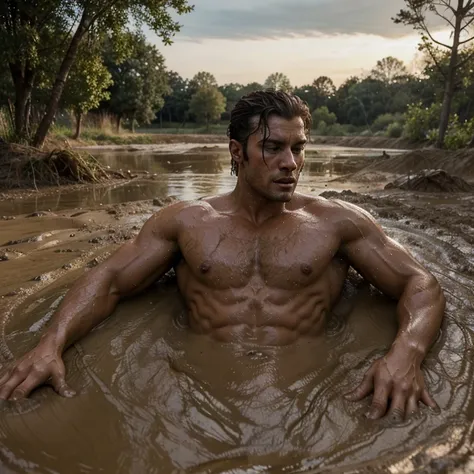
[154, 397]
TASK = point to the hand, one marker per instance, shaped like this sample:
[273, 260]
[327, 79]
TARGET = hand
[43, 364]
[396, 377]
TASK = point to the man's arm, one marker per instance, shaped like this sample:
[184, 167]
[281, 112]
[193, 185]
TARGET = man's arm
[93, 297]
[421, 303]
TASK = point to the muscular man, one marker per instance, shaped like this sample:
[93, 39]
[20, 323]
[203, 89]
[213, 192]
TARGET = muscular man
[261, 264]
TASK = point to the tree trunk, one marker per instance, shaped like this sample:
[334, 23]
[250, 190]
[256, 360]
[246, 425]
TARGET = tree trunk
[471, 143]
[78, 125]
[118, 123]
[61, 78]
[133, 124]
[23, 80]
[450, 79]
[161, 118]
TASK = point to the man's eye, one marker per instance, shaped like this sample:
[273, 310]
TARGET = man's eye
[272, 149]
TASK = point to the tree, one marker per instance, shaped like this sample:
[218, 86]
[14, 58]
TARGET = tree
[207, 104]
[323, 115]
[460, 19]
[324, 87]
[87, 86]
[24, 26]
[177, 100]
[252, 87]
[139, 82]
[279, 82]
[389, 70]
[201, 80]
[232, 93]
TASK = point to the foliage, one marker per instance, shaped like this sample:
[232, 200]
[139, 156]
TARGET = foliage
[458, 18]
[323, 115]
[395, 130]
[207, 104]
[139, 82]
[279, 82]
[459, 134]
[382, 122]
[420, 121]
[389, 70]
[87, 84]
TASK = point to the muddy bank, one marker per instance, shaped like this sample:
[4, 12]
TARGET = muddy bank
[154, 397]
[457, 163]
[367, 142]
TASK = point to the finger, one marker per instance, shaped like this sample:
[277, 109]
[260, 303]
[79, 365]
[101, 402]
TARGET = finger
[378, 407]
[397, 407]
[58, 381]
[27, 386]
[363, 389]
[16, 378]
[5, 377]
[412, 406]
[428, 400]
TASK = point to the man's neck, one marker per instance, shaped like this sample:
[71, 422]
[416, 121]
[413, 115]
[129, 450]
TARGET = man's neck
[254, 206]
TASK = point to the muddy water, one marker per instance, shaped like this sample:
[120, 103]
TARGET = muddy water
[153, 397]
[178, 171]
[156, 398]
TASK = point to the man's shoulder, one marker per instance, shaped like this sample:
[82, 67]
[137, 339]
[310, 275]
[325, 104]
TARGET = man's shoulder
[332, 209]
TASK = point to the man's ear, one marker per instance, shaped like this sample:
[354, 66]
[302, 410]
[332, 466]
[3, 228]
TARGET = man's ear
[236, 151]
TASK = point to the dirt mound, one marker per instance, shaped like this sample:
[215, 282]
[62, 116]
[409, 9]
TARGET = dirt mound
[431, 181]
[459, 163]
[367, 142]
[23, 166]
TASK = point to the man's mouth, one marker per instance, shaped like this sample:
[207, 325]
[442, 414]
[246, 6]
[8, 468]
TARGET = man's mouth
[286, 181]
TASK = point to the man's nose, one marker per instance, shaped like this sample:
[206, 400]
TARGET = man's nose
[288, 161]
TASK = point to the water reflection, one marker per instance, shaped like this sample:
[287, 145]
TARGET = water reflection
[186, 175]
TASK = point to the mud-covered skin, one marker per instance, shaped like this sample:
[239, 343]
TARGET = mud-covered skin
[260, 265]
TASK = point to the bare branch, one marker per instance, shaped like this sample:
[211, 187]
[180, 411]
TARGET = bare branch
[447, 20]
[425, 28]
[466, 41]
[435, 60]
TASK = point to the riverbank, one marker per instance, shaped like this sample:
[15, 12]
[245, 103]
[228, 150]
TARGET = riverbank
[131, 139]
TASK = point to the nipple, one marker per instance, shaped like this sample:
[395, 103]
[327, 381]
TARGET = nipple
[204, 267]
[306, 269]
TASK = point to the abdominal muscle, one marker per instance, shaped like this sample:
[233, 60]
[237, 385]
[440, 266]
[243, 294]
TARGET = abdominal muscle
[257, 313]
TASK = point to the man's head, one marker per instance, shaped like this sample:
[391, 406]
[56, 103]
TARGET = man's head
[268, 131]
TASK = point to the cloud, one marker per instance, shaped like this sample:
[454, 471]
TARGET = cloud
[286, 18]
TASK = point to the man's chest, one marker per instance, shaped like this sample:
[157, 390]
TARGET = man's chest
[283, 252]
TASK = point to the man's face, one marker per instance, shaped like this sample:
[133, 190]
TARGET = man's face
[276, 177]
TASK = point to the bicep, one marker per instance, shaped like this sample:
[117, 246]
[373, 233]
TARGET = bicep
[139, 262]
[378, 258]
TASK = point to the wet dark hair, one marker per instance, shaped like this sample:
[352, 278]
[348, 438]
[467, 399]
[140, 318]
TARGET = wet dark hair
[262, 105]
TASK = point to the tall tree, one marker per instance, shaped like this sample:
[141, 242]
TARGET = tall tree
[139, 83]
[207, 104]
[278, 81]
[324, 86]
[201, 80]
[389, 70]
[87, 86]
[177, 100]
[23, 24]
[458, 15]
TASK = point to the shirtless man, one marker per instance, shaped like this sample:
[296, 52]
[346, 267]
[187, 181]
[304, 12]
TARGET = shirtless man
[261, 264]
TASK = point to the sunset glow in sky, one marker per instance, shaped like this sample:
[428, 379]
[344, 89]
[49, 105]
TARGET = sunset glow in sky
[247, 40]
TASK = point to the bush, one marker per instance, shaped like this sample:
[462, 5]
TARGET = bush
[420, 121]
[458, 134]
[395, 130]
[323, 115]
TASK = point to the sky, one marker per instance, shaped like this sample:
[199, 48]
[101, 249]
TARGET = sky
[247, 40]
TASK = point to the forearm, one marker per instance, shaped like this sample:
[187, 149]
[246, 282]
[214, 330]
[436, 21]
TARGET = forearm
[87, 303]
[420, 312]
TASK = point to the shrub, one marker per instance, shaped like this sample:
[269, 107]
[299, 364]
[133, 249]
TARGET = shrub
[323, 115]
[420, 120]
[395, 130]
